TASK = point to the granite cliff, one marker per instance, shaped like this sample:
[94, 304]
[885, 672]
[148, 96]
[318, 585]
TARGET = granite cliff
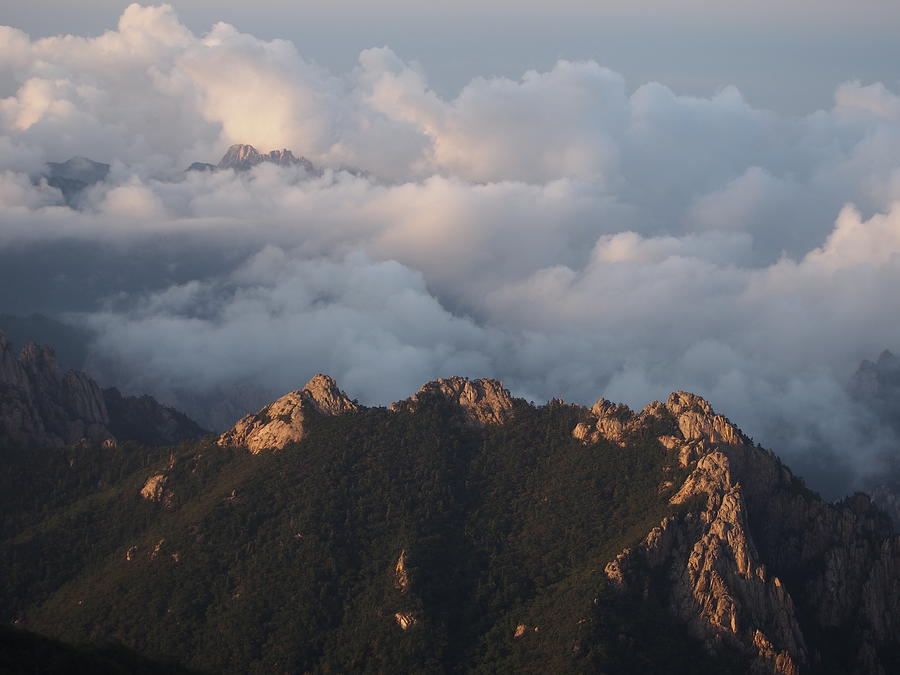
[755, 564]
[481, 402]
[243, 157]
[42, 405]
[283, 421]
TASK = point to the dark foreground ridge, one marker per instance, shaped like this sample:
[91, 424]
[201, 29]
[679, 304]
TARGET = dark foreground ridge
[24, 653]
[459, 530]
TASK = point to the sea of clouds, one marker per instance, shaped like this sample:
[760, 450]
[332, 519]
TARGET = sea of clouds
[566, 232]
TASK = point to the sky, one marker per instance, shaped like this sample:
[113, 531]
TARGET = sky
[694, 46]
[567, 227]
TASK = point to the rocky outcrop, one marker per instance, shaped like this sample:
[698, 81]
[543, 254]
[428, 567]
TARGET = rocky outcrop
[156, 490]
[283, 421]
[481, 401]
[242, 157]
[610, 421]
[693, 418]
[753, 552]
[405, 620]
[401, 575]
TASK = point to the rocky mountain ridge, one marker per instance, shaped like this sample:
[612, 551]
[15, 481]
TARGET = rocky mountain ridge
[40, 405]
[43, 406]
[73, 176]
[480, 402]
[459, 513]
[744, 529]
[243, 157]
[748, 528]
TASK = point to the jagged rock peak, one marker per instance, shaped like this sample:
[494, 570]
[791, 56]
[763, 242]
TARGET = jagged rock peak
[724, 576]
[692, 419]
[322, 391]
[684, 401]
[283, 421]
[242, 157]
[698, 421]
[716, 581]
[283, 156]
[483, 401]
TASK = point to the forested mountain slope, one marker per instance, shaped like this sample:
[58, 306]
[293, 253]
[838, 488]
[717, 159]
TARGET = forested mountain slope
[461, 530]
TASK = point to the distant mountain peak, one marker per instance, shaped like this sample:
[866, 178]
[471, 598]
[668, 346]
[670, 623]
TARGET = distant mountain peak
[77, 167]
[74, 175]
[243, 157]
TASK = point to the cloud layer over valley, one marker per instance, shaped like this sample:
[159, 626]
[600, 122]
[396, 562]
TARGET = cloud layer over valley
[568, 232]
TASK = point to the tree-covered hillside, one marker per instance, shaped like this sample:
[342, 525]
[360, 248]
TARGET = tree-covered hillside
[382, 542]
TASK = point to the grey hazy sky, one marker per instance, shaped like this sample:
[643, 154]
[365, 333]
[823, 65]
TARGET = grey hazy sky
[787, 55]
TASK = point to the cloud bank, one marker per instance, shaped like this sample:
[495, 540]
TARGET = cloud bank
[564, 232]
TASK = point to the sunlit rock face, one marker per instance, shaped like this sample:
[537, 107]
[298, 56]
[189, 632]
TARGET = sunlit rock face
[283, 421]
[481, 401]
[749, 527]
[690, 416]
[608, 420]
[242, 157]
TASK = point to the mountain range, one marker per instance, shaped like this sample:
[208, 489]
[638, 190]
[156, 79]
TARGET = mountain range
[243, 157]
[77, 174]
[461, 529]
